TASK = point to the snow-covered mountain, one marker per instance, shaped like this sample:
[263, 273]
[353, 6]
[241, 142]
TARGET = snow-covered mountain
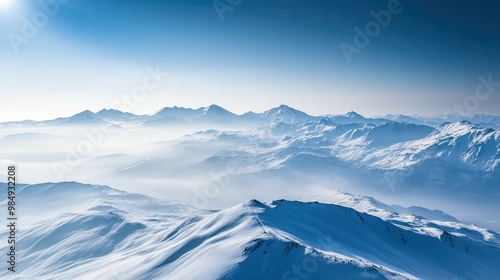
[482, 120]
[180, 112]
[215, 114]
[353, 117]
[85, 117]
[286, 114]
[212, 114]
[111, 234]
[463, 143]
[117, 116]
[181, 149]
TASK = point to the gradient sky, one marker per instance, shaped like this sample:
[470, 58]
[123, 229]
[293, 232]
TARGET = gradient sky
[263, 54]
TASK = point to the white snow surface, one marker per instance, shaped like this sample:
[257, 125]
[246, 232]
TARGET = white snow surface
[112, 234]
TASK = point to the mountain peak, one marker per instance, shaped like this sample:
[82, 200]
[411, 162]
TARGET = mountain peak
[216, 109]
[176, 108]
[255, 203]
[113, 112]
[116, 115]
[109, 111]
[84, 115]
[285, 107]
[179, 112]
[286, 114]
[460, 125]
[285, 110]
[86, 112]
[353, 115]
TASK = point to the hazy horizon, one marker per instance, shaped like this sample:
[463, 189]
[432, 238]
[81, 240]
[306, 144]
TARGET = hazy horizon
[55, 116]
[421, 58]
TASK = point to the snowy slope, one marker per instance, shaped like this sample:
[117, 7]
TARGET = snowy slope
[462, 142]
[286, 114]
[417, 219]
[110, 234]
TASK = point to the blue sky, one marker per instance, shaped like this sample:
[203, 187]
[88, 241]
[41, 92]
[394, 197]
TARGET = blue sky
[426, 60]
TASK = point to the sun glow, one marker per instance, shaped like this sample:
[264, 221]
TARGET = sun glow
[6, 4]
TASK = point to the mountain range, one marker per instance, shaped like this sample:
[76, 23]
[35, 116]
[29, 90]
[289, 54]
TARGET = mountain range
[180, 151]
[215, 114]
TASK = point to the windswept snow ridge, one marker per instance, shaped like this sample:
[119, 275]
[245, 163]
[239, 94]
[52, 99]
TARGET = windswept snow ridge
[116, 235]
